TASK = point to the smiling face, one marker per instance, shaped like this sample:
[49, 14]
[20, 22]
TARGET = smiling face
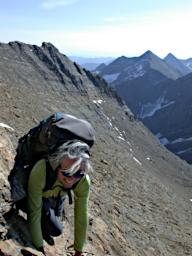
[68, 181]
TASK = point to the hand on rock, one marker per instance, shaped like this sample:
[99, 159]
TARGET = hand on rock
[78, 253]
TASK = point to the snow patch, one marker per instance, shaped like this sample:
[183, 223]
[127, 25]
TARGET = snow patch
[6, 126]
[137, 161]
[109, 120]
[183, 151]
[111, 78]
[119, 137]
[158, 135]
[150, 109]
[163, 140]
[179, 140]
[97, 101]
[133, 71]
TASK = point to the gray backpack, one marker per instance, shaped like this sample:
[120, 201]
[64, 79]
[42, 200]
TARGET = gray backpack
[41, 141]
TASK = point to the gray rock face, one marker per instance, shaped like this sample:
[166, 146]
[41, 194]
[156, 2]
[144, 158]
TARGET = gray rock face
[177, 64]
[7, 153]
[140, 193]
[172, 121]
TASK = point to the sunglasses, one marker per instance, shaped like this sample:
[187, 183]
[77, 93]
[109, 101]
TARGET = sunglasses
[78, 174]
[74, 170]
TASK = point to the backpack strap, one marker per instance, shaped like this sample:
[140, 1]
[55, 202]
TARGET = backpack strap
[50, 176]
[69, 192]
[69, 196]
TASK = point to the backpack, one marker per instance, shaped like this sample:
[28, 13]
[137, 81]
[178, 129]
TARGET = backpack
[41, 141]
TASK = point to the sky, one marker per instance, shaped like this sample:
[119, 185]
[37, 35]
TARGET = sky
[101, 28]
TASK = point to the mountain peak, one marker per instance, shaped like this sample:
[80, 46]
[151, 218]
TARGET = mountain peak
[121, 58]
[177, 64]
[49, 46]
[170, 56]
[18, 44]
[147, 54]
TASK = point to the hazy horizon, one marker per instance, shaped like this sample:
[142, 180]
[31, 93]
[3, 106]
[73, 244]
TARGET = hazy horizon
[101, 28]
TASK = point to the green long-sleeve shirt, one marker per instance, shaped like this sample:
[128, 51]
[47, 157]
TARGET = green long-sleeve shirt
[36, 185]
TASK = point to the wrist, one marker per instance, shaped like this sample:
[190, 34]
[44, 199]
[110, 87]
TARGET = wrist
[41, 249]
[77, 253]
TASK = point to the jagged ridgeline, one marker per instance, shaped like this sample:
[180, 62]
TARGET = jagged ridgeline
[140, 194]
[158, 91]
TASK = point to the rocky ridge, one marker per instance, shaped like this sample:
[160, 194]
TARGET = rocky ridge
[140, 199]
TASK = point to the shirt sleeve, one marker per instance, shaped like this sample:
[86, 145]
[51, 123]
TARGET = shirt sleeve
[81, 212]
[36, 184]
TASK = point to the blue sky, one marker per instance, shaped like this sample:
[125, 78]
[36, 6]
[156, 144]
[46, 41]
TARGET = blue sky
[95, 28]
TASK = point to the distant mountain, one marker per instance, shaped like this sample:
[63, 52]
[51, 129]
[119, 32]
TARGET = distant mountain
[177, 64]
[89, 66]
[169, 116]
[91, 63]
[159, 94]
[124, 68]
[100, 67]
[188, 63]
[135, 79]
